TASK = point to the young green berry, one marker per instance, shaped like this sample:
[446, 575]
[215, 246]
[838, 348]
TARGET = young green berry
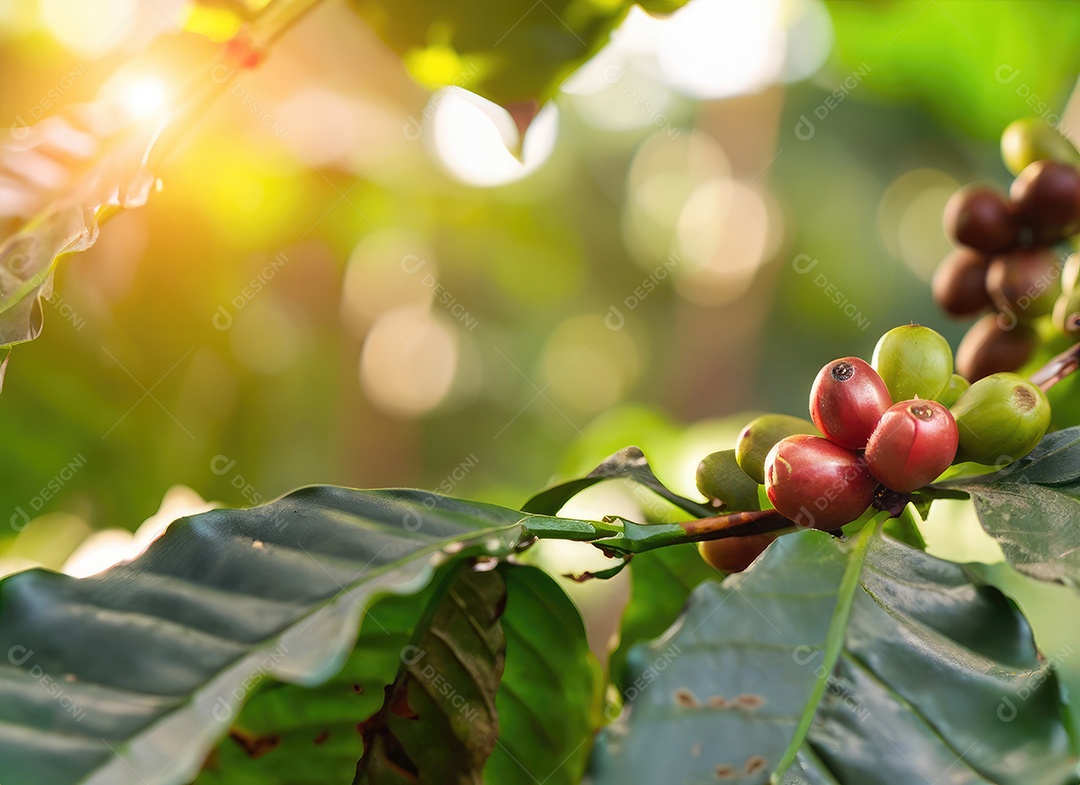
[1023, 142]
[980, 217]
[1024, 284]
[914, 362]
[956, 386]
[994, 344]
[1070, 272]
[847, 400]
[1046, 200]
[735, 554]
[723, 483]
[959, 284]
[759, 436]
[914, 443]
[816, 483]
[1000, 418]
[1066, 316]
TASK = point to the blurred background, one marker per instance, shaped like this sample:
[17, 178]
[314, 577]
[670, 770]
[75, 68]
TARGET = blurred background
[345, 279]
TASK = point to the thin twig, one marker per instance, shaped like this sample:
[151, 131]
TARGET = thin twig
[1058, 369]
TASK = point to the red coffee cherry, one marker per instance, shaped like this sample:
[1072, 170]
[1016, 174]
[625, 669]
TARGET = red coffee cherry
[981, 218]
[914, 443]
[816, 483]
[1046, 200]
[847, 400]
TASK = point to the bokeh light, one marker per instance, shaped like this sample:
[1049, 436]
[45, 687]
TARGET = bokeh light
[909, 219]
[665, 171]
[726, 231]
[145, 97]
[409, 361]
[587, 367]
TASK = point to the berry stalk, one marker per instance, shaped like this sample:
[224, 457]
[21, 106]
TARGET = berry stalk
[1057, 369]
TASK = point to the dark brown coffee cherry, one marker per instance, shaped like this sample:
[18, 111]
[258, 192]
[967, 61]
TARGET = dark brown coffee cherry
[1046, 201]
[914, 443]
[980, 217]
[847, 400]
[735, 554]
[992, 345]
[1024, 284]
[816, 483]
[959, 284]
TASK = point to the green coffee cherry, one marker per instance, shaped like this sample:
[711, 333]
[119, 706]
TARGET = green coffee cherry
[760, 435]
[1070, 272]
[956, 386]
[914, 361]
[1066, 316]
[719, 478]
[1031, 139]
[1001, 418]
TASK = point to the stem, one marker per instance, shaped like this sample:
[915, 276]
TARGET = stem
[275, 20]
[1058, 369]
[245, 51]
[735, 524]
[616, 536]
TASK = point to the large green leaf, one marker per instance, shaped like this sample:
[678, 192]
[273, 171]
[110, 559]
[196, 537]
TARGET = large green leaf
[511, 52]
[1030, 507]
[660, 584]
[104, 675]
[862, 663]
[549, 688]
[294, 735]
[107, 673]
[289, 734]
[438, 723]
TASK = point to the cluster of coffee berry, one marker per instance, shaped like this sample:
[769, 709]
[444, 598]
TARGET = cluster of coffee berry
[878, 432]
[1006, 260]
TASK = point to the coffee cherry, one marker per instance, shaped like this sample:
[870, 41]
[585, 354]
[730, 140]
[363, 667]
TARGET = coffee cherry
[1070, 273]
[722, 482]
[1031, 139]
[992, 345]
[1067, 313]
[735, 554]
[1024, 284]
[847, 400]
[953, 390]
[1001, 418]
[1046, 200]
[914, 361]
[816, 483]
[981, 218]
[959, 284]
[914, 443]
[760, 435]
